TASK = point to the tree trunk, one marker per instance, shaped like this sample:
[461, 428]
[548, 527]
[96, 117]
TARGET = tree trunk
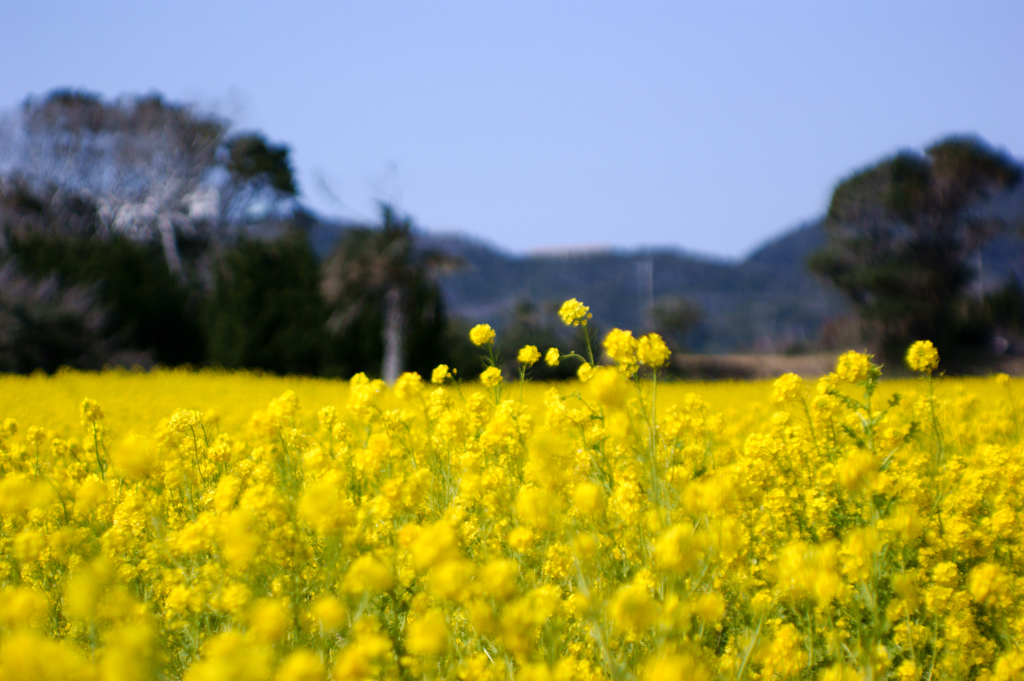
[393, 332]
[169, 242]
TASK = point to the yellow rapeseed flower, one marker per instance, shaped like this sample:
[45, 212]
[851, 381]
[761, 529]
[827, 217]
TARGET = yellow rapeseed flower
[853, 366]
[440, 374]
[22, 607]
[787, 388]
[1009, 666]
[622, 348]
[329, 613]
[588, 498]
[28, 655]
[481, 334]
[673, 667]
[135, 456]
[632, 609]
[652, 351]
[585, 372]
[528, 355]
[989, 584]
[368, 574]
[491, 376]
[91, 411]
[574, 313]
[620, 528]
[856, 470]
[923, 357]
[269, 621]
[301, 665]
[784, 657]
[408, 385]
[427, 634]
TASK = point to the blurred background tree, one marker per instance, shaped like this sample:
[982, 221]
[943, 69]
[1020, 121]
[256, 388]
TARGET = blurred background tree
[674, 318]
[44, 324]
[266, 311]
[901, 233]
[377, 278]
[146, 205]
[259, 178]
[141, 161]
[153, 170]
[147, 308]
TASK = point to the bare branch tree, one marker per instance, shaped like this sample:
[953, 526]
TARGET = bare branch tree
[158, 171]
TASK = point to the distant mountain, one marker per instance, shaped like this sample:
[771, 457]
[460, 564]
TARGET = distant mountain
[765, 301]
[768, 301]
[791, 250]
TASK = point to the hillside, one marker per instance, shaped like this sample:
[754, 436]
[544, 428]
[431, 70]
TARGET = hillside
[767, 301]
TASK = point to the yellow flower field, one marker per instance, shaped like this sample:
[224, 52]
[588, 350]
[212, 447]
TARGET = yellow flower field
[210, 525]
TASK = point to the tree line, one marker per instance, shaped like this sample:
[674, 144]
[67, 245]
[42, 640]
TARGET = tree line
[141, 231]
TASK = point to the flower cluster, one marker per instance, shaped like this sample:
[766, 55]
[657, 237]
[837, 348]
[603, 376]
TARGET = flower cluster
[923, 357]
[623, 528]
[482, 334]
[529, 355]
[628, 352]
[574, 313]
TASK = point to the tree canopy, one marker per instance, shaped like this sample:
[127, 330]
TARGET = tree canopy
[900, 233]
[377, 272]
[155, 170]
[95, 193]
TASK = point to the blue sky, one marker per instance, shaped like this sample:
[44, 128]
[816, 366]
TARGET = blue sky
[707, 126]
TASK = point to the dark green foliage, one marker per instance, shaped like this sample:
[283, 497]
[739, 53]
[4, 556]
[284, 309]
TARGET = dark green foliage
[148, 309]
[459, 353]
[251, 158]
[359, 345]
[376, 278]
[675, 318]
[267, 312]
[1006, 307]
[900, 234]
[86, 170]
[67, 109]
[426, 329]
[45, 325]
[264, 310]
[49, 211]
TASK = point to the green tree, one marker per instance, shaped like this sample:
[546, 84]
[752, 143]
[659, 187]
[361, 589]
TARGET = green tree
[259, 175]
[674, 318]
[157, 171]
[1006, 307]
[267, 311]
[252, 158]
[900, 234]
[45, 324]
[148, 310]
[377, 277]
